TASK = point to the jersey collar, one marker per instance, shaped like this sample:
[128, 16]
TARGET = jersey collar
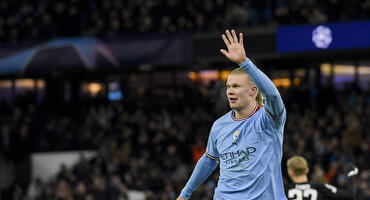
[256, 108]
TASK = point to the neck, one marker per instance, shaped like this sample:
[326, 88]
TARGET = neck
[242, 113]
[300, 179]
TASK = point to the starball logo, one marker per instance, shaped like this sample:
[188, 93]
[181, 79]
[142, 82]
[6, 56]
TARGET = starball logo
[322, 37]
[241, 155]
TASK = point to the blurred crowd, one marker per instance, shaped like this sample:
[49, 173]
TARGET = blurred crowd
[151, 140]
[41, 19]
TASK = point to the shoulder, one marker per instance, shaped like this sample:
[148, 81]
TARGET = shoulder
[221, 122]
[226, 118]
[324, 188]
[275, 122]
[281, 115]
[289, 186]
[316, 184]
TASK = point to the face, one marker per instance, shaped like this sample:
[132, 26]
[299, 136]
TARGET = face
[240, 91]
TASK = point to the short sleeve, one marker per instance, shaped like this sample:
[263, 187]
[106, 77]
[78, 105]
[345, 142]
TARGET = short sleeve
[212, 145]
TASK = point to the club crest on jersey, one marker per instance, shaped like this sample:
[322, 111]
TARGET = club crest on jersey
[236, 134]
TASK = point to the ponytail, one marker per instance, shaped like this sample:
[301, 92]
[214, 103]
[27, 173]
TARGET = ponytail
[260, 99]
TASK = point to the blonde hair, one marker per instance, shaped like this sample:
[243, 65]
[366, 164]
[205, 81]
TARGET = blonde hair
[298, 165]
[259, 97]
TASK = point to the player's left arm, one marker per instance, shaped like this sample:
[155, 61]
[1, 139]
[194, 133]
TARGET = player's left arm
[236, 53]
[273, 101]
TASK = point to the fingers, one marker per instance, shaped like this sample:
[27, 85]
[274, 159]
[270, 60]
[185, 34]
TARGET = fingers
[223, 51]
[234, 36]
[241, 39]
[227, 43]
[230, 37]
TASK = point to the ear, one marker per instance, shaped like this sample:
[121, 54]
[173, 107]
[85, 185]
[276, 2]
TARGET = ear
[307, 170]
[290, 173]
[253, 91]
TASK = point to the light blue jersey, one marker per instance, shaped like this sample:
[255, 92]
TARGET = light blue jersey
[248, 150]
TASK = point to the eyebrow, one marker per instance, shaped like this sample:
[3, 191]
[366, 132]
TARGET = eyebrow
[233, 84]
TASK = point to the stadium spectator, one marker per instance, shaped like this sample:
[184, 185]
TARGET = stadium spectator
[40, 20]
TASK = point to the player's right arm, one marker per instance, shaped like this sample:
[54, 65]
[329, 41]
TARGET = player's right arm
[203, 169]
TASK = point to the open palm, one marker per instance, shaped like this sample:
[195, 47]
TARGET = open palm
[235, 49]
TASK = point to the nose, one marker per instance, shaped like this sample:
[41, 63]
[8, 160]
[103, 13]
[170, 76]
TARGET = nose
[229, 91]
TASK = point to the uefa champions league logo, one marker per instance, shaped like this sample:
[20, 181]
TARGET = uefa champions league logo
[321, 37]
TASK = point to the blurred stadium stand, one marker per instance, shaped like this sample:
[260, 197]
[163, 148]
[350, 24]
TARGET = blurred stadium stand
[141, 82]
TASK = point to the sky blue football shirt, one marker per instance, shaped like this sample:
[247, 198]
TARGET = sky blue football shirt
[250, 152]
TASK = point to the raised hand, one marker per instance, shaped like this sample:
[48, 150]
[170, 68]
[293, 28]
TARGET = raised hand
[180, 198]
[235, 49]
